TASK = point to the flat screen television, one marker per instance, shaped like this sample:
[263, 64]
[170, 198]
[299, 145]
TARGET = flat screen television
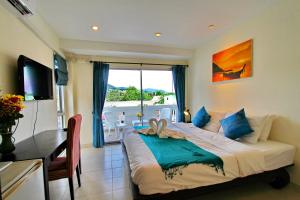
[35, 80]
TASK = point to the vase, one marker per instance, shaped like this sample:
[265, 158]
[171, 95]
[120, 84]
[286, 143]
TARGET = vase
[7, 145]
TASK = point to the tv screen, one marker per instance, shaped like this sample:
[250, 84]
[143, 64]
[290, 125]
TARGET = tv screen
[35, 80]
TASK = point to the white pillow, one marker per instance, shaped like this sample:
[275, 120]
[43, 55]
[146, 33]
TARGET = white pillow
[257, 123]
[214, 123]
[267, 128]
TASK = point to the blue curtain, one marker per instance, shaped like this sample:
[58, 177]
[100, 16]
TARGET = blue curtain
[178, 72]
[100, 78]
[61, 70]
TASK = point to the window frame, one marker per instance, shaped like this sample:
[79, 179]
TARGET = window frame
[61, 106]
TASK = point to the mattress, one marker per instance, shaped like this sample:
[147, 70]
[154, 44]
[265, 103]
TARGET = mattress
[276, 154]
[239, 159]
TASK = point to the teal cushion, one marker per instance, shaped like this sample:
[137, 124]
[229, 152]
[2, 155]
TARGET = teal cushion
[236, 125]
[201, 118]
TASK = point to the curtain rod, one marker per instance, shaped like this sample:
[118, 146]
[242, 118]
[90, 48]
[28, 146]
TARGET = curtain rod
[135, 63]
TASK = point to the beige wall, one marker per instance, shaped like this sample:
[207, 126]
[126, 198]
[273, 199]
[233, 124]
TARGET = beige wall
[274, 86]
[82, 91]
[80, 87]
[16, 39]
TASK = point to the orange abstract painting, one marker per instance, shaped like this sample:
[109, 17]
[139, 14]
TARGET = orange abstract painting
[233, 63]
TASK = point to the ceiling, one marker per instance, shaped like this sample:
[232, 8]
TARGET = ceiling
[183, 23]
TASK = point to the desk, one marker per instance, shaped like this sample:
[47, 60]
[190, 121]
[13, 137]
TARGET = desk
[46, 146]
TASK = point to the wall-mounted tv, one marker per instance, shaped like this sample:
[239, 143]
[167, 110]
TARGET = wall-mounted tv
[35, 80]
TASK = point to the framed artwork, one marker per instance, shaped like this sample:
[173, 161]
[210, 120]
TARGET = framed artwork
[233, 63]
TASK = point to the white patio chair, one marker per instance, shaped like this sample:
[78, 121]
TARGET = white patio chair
[111, 122]
[166, 113]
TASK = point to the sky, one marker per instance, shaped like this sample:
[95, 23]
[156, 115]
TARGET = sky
[151, 79]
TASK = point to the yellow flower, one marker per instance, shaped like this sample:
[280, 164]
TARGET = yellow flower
[139, 114]
[11, 104]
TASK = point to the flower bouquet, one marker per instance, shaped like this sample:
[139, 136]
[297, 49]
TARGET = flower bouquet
[10, 108]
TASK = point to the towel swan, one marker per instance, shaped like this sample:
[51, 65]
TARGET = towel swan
[160, 128]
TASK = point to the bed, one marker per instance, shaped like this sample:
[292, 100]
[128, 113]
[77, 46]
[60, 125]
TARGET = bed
[242, 162]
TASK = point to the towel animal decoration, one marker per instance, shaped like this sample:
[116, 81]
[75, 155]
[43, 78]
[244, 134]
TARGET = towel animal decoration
[160, 128]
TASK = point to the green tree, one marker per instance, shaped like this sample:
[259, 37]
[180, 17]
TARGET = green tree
[161, 100]
[114, 95]
[147, 96]
[159, 93]
[131, 94]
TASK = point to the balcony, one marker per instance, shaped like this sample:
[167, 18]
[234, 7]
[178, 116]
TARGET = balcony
[112, 134]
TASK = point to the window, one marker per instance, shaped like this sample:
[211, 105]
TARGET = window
[60, 106]
[159, 99]
[133, 92]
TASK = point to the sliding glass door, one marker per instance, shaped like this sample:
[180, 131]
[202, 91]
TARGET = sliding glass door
[135, 96]
[159, 99]
[123, 101]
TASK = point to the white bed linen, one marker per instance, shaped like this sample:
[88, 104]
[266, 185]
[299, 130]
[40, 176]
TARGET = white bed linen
[276, 154]
[239, 160]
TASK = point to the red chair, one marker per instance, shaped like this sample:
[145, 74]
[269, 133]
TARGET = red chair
[64, 167]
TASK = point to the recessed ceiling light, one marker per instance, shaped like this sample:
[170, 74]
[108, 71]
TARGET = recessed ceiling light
[157, 34]
[211, 26]
[95, 28]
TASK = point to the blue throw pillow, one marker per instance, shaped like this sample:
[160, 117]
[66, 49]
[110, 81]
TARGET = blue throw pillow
[236, 125]
[201, 118]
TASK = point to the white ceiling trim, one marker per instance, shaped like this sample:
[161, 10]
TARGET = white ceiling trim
[82, 47]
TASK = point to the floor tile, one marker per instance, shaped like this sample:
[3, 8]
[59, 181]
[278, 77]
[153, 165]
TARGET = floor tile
[120, 183]
[94, 187]
[119, 172]
[97, 175]
[117, 157]
[123, 194]
[117, 163]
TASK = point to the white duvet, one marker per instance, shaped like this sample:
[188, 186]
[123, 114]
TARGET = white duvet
[239, 160]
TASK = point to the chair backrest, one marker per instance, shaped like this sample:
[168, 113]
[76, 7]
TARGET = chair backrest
[73, 143]
[110, 118]
[166, 113]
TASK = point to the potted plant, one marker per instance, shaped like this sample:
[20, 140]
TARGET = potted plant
[10, 108]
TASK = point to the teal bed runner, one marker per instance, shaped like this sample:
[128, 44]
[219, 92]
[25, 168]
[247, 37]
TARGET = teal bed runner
[175, 154]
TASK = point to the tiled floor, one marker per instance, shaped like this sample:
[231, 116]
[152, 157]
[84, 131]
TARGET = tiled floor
[104, 177]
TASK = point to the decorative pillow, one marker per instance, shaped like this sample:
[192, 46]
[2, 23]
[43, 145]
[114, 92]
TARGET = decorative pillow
[236, 125]
[201, 118]
[267, 128]
[257, 123]
[214, 124]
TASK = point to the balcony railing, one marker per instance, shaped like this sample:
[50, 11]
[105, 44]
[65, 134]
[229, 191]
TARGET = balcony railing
[150, 111]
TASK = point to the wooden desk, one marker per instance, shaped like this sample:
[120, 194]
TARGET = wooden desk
[46, 146]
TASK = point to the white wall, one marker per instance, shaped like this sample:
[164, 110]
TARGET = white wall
[17, 39]
[274, 86]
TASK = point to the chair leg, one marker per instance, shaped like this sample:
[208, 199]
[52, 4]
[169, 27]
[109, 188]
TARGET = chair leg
[80, 158]
[118, 132]
[80, 166]
[71, 187]
[78, 175]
